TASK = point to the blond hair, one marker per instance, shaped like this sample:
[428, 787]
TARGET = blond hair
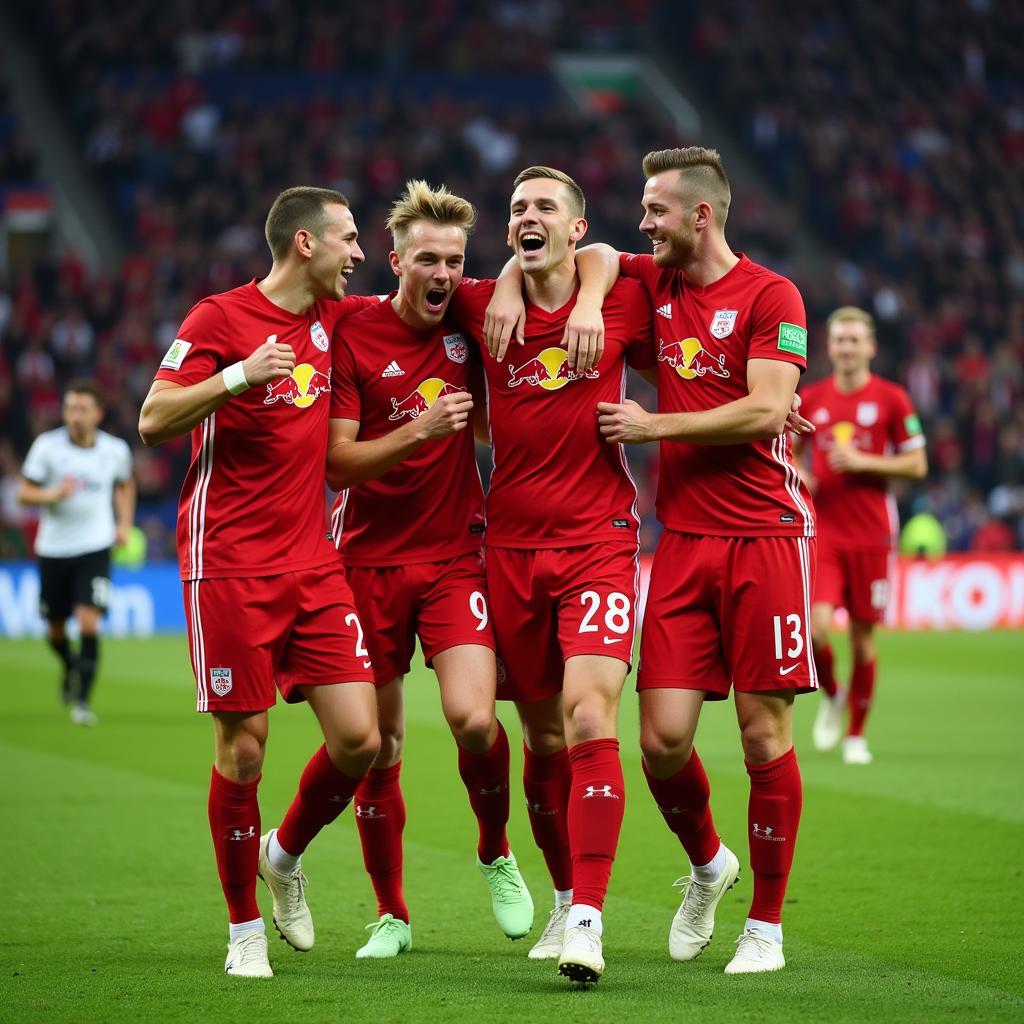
[577, 201]
[298, 207]
[852, 313]
[701, 175]
[435, 205]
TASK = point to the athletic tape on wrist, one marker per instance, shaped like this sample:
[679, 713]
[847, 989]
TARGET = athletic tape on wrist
[234, 378]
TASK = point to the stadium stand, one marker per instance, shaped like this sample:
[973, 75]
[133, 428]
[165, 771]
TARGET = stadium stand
[189, 133]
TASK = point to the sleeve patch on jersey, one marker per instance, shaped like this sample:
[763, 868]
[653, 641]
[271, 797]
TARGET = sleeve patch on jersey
[176, 354]
[793, 338]
[912, 424]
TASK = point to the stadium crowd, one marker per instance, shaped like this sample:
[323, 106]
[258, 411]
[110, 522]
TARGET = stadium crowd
[190, 134]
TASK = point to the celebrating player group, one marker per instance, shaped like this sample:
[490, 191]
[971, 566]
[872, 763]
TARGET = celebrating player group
[527, 595]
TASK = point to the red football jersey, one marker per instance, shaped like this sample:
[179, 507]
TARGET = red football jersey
[855, 510]
[705, 338]
[430, 506]
[556, 481]
[253, 499]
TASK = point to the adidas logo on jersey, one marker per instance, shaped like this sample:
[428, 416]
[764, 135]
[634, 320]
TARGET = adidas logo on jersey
[665, 311]
[393, 370]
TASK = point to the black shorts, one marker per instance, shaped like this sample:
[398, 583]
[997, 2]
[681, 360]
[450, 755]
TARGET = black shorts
[65, 583]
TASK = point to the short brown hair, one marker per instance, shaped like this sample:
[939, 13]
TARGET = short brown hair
[700, 168]
[577, 201]
[298, 207]
[85, 386]
[852, 313]
[435, 205]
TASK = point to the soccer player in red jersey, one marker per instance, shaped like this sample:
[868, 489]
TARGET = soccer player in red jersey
[409, 528]
[561, 555]
[730, 590]
[868, 433]
[266, 602]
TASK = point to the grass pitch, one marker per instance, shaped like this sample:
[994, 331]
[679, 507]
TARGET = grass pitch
[905, 903]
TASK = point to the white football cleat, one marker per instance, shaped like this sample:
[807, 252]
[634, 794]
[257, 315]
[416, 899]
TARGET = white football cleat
[855, 751]
[292, 918]
[247, 957]
[828, 723]
[756, 953]
[694, 923]
[581, 958]
[549, 945]
[81, 715]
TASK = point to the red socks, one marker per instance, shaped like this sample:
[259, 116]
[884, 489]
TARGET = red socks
[324, 792]
[776, 798]
[380, 817]
[596, 804]
[683, 800]
[235, 826]
[823, 662]
[486, 780]
[862, 690]
[546, 783]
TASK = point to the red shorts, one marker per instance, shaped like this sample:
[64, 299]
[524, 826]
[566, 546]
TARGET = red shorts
[729, 611]
[855, 580]
[296, 629]
[444, 603]
[553, 603]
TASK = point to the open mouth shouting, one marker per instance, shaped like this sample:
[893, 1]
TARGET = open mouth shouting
[435, 300]
[531, 242]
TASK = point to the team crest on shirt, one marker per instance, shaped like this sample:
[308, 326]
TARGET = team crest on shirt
[723, 322]
[319, 336]
[455, 348]
[867, 413]
[220, 681]
[548, 369]
[691, 359]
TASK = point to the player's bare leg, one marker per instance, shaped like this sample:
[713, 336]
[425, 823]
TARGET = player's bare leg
[347, 713]
[467, 675]
[380, 819]
[88, 618]
[547, 779]
[590, 703]
[680, 787]
[240, 740]
[776, 799]
[828, 724]
[862, 690]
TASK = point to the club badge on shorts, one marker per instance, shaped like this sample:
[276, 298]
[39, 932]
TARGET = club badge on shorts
[723, 322]
[319, 336]
[220, 681]
[455, 348]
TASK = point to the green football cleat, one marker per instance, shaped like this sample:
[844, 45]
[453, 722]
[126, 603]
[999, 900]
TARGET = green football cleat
[510, 899]
[388, 937]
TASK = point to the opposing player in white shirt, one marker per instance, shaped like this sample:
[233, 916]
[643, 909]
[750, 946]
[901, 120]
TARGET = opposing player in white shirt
[82, 478]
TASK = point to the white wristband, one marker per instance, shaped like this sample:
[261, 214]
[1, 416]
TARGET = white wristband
[234, 378]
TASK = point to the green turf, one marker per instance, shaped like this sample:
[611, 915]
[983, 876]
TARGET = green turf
[904, 905]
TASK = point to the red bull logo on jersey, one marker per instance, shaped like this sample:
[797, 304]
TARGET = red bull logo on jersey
[549, 370]
[691, 359]
[301, 389]
[417, 402]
